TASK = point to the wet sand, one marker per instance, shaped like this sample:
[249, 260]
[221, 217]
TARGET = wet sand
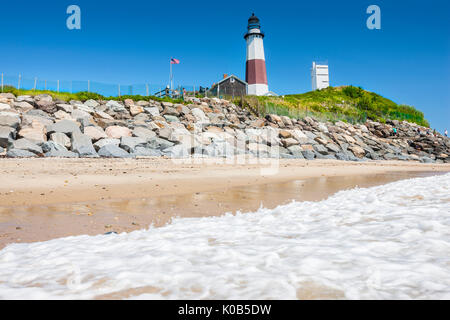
[42, 199]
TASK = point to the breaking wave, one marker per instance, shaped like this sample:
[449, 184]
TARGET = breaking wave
[385, 242]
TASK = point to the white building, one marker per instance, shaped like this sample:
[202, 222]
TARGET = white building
[319, 76]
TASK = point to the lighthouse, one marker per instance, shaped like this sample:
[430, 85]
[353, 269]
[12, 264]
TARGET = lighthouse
[255, 73]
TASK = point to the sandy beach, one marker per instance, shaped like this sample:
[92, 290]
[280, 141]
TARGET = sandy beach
[42, 199]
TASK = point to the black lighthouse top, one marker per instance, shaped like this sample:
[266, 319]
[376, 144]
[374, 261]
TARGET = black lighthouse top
[254, 27]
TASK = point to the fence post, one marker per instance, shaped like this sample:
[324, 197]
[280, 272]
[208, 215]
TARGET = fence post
[35, 81]
[119, 90]
[2, 81]
[20, 77]
[57, 84]
[146, 89]
[45, 85]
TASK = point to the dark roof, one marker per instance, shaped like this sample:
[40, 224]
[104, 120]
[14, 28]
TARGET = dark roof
[232, 76]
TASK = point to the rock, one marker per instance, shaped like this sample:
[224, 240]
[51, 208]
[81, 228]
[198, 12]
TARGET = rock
[61, 154]
[144, 133]
[171, 118]
[299, 136]
[308, 154]
[61, 115]
[171, 112]
[296, 151]
[78, 114]
[118, 132]
[96, 133]
[146, 152]
[91, 103]
[25, 144]
[357, 151]
[23, 106]
[65, 107]
[6, 136]
[320, 149]
[82, 145]
[68, 127]
[47, 106]
[199, 115]
[102, 115]
[36, 132]
[103, 142]
[285, 134]
[333, 147]
[161, 144]
[135, 110]
[130, 143]
[289, 142]
[115, 106]
[9, 119]
[61, 139]
[5, 106]
[113, 151]
[177, 151]
[7, 95]
[18, 153]
[153, 111]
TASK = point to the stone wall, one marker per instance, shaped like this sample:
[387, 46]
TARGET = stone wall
[41, 127]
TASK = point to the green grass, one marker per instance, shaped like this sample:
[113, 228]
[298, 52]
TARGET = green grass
[83, 96]
[349, 103]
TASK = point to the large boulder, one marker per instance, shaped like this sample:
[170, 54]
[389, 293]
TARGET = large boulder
[144, 133]
[61, 139]
[19, 153]
[113, 151]
[7, 135]
[10, 119]
[47, 106]
[82, 144]
[36, 132]
[199, 115]
[357, 151]
[103, 142]
[96, 133]
[115, 106]
[117, 132]
[68, 127]
[25, 144]
[130, 143]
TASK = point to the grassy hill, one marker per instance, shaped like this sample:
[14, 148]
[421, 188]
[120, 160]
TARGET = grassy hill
[348, 103]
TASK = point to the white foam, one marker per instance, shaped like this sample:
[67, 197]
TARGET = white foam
[386, 242]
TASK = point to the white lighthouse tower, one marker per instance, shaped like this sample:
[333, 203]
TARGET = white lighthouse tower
[255, 75]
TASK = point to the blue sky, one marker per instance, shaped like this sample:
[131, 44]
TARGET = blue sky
[408, 60]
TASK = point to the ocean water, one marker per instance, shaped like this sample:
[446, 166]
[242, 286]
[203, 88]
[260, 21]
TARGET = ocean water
[385, 242]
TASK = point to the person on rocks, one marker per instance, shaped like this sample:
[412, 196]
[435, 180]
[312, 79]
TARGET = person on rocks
[394, 131]
[446, 133]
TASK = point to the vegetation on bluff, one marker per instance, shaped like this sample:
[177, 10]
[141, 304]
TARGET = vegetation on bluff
[348, 103]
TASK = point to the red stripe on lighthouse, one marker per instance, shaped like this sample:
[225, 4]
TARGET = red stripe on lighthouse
[256, 72]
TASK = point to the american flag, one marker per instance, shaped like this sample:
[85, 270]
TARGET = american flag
[174, 61]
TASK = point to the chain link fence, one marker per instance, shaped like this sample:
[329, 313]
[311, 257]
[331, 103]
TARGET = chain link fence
[104, 89]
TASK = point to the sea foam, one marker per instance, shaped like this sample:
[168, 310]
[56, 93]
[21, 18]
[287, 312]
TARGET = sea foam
[385, 242]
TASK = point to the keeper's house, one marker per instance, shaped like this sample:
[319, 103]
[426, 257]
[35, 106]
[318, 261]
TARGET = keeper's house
[230, 86]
